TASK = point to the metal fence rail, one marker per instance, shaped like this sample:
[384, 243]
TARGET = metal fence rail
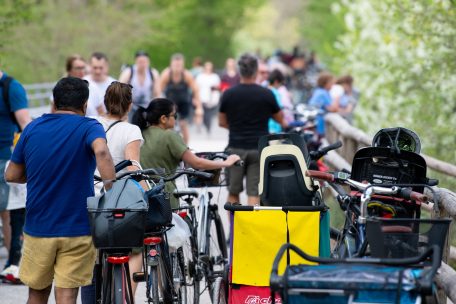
[39, 94]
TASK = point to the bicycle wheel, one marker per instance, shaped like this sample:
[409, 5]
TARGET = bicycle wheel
[190, 263]
[218, 291]
[217, 239]
[217, 252]
[152, 282]
[179, 283]
[118, 290]
[159, 277]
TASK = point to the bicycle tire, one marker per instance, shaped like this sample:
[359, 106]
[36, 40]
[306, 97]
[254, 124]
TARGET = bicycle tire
[153, 285]
[118, 290]
[165, 275]
[217, 248]
[218, 291]
[191, 269]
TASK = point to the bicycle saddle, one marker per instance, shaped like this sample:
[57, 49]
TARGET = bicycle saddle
[185, 192]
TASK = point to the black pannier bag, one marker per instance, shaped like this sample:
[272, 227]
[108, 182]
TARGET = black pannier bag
[160, 213]
[118, 217]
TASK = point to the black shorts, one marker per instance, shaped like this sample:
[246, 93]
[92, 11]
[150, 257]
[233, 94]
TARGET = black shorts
[183, 109]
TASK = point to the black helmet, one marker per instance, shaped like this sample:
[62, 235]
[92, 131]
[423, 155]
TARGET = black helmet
[397, 139]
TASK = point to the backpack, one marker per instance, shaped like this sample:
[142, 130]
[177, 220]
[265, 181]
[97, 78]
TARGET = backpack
[131, 73]
[6, 86]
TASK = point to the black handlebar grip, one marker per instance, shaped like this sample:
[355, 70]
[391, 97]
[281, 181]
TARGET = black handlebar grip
[205, 175]
[122, 165]
[151, 171]
[231, 207]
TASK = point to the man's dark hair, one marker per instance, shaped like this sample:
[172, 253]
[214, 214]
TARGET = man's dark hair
[70, 93]
[99, 56]
[248, 65]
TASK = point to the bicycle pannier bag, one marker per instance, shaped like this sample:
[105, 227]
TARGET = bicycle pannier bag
[118, 217]
[160, 213]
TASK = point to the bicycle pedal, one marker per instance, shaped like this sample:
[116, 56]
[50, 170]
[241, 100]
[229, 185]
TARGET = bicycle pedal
[138, 277]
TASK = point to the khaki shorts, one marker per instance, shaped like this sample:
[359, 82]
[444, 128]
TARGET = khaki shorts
[251, 171]
[67, 260]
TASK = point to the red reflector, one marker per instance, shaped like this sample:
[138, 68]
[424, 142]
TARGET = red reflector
[118, 260]
[118, 214]
[183, 214]
[152, 240]
[153, 252]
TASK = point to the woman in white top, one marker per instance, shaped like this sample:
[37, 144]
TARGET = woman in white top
[124, 142]
[208, 83]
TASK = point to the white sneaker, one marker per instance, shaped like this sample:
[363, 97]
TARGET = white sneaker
[11, 274]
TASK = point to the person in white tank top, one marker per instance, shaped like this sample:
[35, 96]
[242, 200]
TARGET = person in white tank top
[144, 79]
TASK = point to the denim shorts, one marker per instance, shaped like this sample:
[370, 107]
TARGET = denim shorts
[4, 188]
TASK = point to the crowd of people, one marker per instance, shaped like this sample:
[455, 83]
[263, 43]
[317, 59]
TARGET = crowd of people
[96, 121]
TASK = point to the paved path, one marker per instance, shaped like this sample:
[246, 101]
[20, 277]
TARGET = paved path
[199, 141]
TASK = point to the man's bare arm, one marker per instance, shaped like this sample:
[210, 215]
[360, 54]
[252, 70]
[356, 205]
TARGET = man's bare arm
[15, 173]
[223, 122]
[105, 164]
[23, 117]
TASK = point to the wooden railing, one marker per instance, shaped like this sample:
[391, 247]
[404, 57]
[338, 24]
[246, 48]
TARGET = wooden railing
[352, 138]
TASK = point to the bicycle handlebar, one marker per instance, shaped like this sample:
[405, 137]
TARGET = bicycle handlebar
[220, 155]
[230, 207]
[341, 177]
[162, 175]
[315, 155]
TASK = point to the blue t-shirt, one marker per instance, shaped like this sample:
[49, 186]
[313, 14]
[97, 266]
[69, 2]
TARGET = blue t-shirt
[274, 126]
[320, 99]
[17, 100]
[57, 152]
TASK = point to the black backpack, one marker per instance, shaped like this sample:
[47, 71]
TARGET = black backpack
[6, 86]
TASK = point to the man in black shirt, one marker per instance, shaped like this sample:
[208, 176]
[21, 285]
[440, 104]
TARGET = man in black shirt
[245, 110]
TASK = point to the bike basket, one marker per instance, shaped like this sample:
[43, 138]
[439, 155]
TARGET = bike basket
[159, 213]
[117, 228]
[117, 217]
[404, 238]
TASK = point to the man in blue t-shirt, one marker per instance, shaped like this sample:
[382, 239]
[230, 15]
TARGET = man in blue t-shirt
[16, 103]
[57, 155]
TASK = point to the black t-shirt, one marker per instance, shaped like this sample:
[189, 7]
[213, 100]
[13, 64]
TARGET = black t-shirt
[248, 108]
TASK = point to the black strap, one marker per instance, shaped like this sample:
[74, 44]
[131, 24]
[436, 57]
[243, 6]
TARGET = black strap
[151, 73]
[6, 86]
[112, 125]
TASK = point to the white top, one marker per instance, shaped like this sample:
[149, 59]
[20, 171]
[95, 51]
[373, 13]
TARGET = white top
[141, 92]
[205, 82]
[17, 195]
[336, 91]
[97, 92]
[118, 137]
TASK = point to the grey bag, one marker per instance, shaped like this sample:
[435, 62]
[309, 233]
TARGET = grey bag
[118, 217]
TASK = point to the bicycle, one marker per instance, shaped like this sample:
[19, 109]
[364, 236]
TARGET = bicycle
[111, 272]
[165, 271]
[208, 235]
[351, 241]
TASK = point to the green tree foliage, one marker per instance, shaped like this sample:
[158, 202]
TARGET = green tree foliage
[197, 28]
[321, 25]
[54, 29]
[12, 12]
[403, 56]
[59, 28]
